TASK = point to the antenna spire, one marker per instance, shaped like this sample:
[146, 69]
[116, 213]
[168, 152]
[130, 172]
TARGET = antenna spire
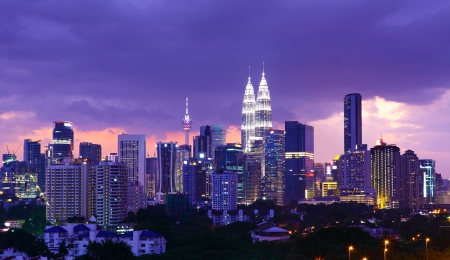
[187, 106]
[263, 68]
[248, 72]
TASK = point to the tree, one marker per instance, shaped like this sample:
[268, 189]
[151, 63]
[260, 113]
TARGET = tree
[108, 249]
[62, 249]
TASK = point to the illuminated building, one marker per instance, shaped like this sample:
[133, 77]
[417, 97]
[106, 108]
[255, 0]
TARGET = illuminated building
[166, 153]
[224, 190]
[63, 138]
[230, 157]
[111, 193]
[152, 172]
[328, 188]
[299, 159]
[410, 188]
[183, 155]
[90, 151]
[187, 124]
[248, 116]
[273, 154]
[253, 171]
[202, 143]
[353, 168]
[35, 160]
[358, 195]
[132, 152]
[385, 170]
[427, 167]
[352, 122]
[194, 180]
[66, 192]
[136, 197]
[16, 180]
[263, 112]
[218, 137]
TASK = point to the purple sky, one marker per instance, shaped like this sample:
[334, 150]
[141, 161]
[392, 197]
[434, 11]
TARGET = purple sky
[126, 66]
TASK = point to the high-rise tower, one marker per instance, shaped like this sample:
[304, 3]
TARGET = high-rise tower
[187, 124]
[352, 122]
[63, 138]
[263, 113]
[248, 116]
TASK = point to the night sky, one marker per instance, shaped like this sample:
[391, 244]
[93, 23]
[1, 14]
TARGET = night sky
[117, 67]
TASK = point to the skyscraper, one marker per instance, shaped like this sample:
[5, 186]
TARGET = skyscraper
[33, 158]
[427, 167]
[132, 152]
[224, 190]
[248, 116]
[253, 171]
[299, 159]
[352, 122]
[194, 180]
[263, 112]
[202, 143]
[183, 155]
[272, 187]
[111, 193]
[151, 166]
[63, 138]
[166, 153]
[187, 124]
[92, 152]
[410, 181]
[218, 137]
[385, 170]
[353, 169]
[231, 158]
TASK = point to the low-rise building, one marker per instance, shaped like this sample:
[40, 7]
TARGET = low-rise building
[226, 217]
[270, 234]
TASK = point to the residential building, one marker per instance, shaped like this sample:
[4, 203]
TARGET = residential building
[132, 152]
[218, 137]
[194, 180]
[224, 190]
[410, 182]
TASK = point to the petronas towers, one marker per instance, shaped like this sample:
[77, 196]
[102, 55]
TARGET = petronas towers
[256, 114]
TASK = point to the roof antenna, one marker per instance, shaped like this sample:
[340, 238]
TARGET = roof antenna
[248, 72]
[263, 68]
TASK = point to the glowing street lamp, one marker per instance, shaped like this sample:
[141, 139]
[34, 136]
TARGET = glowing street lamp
[349, 251]
[426, 245]
[386, 242]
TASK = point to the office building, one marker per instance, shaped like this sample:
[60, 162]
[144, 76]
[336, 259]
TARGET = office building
[35, 162]
[248, 116]
[385, 170]
[328, 188]
[132, 152]
[187, 124]
[263, 112]
[112, 157]
[353, 169]
[63, 138]
[136, 197]
[273, 154]
[410, 191]
[165, 182]
[352, 122]
[218, 137]
[183, 155]
[194, 180]
[428, 169]
[224, 194]
[111, 193]
[202, 144]
[92, 152]
[66, 192]
[299, 159]
[152, 173]
[230, 157]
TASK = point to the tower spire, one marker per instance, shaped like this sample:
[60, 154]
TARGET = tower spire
[263, 113]
[186, 123]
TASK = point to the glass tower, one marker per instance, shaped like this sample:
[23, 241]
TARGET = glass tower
[92, 152]
[352, 122]
[248, 116]
[427, 167]
[263, 113]
[63, 138]
[231, 158]
[273, 154]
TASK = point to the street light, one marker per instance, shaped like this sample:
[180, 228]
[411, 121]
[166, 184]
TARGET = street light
[385, 248]
[426, 245]
[349, 251]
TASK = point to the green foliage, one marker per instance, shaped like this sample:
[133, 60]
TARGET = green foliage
[24, 242]
[108, 250]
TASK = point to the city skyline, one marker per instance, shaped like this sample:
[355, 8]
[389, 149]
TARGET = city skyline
[399, 67]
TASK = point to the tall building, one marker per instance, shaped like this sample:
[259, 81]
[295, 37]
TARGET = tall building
[218, 137]
[111, 193]
[354, 169]
[231, 158]
[187, 124]
[165, 181]
[92, 152]
[224, 190]
[299, 159]
[253, 171]
[410, 181]
[151, 166]
[33, 158]
[183, 155]
[248, 116]
[194, 180]
[263, 112]
[385, 170]
[427, 167]
[202, 143]
[272, 187]
[132, 152]
[63, 138]
[136, 197]
[66, 192]
[352, 121]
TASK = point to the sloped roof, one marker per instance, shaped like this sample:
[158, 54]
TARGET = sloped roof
[106, 234]
[148, 233]
[85, 234]
[55, 229]
[275, 230]
[128, 234]
[81, 227]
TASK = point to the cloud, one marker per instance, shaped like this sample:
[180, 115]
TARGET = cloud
[17, 114]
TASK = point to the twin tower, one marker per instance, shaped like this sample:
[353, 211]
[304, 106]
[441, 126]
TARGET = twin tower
[256, 114]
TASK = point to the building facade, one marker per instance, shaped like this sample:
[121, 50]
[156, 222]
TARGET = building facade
[224, 190]
[218, 137]
[166, 178]
[273, 154]
[263, 112]
[63, 138]
[428, 169]
[194, 180]
[132, 152]
[352, 121]
[410, 181]
[92, 152]
[248, 116]
[230, 157]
